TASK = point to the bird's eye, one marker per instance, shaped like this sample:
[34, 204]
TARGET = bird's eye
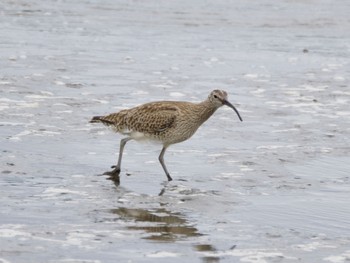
[215, 96]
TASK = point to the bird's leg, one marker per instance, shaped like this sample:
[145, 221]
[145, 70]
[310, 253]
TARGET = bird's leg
[116, 170]
[161, 160]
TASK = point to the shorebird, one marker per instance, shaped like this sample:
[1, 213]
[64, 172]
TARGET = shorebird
[168, 122]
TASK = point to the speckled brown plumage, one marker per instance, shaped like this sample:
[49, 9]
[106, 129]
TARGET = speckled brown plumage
[168, 122]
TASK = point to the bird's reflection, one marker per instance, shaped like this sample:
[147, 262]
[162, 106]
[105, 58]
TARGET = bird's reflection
[161, 224]
[156, 223]
[207, 248]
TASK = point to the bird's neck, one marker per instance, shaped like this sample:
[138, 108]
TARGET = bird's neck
[204, 110]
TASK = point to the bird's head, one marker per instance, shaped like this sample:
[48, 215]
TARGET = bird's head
[219, 98]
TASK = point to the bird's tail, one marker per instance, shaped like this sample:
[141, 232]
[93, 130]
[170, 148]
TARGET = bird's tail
[96, 119]
[102, 119]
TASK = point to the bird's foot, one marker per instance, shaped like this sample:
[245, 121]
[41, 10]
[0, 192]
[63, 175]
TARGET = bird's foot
[115, 171]
[169, 177]
[114, 175]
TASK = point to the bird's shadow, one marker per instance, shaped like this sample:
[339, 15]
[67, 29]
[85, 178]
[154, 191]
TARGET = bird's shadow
[115, 178]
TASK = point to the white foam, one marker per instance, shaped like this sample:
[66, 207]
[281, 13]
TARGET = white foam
[37, 75]
[272, 147]
[177, 94]
[258, 91]
[12, 233]
[50, 133]
[77, 239]
[5, 82]
[7, 123]
[340, 92]
[4, 261]
[122, 200]
[18, 136]
[101, 101]
[292, 93]
[59, 83]
[3, 107]
[29, 105]
[162, 86]
[217, 154]
[78, 176]
[340, 258]
[245, 168]
[227, 174]
[334, 65]
[140, 92]
[250, 255]
[163, 254]
[51, 192]
[275, 102]
[13, 101]
[326, 150]
[61, 104]
[343, 113]
[313, 88]
[251, 76]
[285, 130]
[338, 78]
[314, 246]
[65, 111]
[157, 72]
[36, 96]
[75, 260]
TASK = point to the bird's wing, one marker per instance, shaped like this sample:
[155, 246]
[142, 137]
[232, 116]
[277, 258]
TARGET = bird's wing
[151, 118]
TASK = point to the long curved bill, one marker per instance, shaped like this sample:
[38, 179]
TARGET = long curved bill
[227, 103]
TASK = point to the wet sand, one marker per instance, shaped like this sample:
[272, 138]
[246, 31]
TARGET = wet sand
[273, 188]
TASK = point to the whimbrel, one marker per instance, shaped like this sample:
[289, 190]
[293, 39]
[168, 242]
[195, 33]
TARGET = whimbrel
[168, 122]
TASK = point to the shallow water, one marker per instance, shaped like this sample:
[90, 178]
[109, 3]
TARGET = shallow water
[273, 188]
